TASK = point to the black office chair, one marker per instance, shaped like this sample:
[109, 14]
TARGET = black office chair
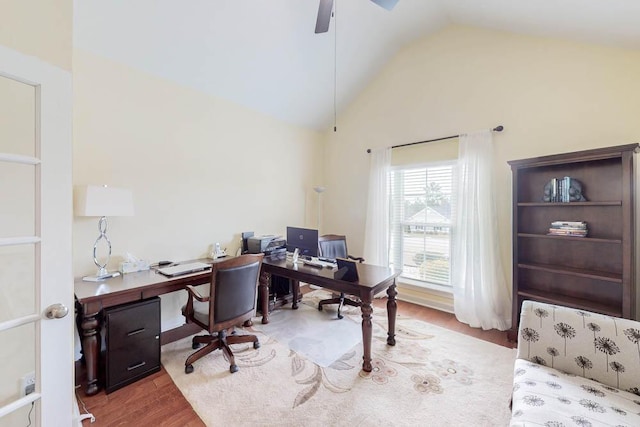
[335, 246]
[230, 301]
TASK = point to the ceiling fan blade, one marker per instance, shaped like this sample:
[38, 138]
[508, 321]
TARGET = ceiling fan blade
[387, 4]
[324, 16]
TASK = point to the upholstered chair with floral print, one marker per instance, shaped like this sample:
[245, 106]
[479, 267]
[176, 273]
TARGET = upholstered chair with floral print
[576, 368]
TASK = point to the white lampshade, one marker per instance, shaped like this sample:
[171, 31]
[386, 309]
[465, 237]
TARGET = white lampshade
[94, 200]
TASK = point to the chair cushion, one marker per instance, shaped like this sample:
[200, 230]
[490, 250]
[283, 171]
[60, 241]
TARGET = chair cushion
[544, 396]
[603, 348]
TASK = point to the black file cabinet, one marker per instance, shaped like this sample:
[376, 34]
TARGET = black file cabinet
[132, 342]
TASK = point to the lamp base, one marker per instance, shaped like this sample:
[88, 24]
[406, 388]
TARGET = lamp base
[101, 277]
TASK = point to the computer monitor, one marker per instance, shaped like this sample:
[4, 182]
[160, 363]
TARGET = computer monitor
[305, 239]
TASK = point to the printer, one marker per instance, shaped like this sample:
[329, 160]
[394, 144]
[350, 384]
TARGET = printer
[269, 244]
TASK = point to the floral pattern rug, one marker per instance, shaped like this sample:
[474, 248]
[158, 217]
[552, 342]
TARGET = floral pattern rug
[431, 377]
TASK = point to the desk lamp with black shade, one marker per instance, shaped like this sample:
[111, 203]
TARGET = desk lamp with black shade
[102, 201]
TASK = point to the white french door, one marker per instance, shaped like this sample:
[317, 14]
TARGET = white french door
[36, 283]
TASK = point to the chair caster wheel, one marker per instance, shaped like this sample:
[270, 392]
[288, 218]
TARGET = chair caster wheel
[256, 345]
[188, 369]
[195, 346]
[319, 307]
[233, 368]
[340, 316]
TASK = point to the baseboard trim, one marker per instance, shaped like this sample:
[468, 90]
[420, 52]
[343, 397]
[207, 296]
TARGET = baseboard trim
[426, 298]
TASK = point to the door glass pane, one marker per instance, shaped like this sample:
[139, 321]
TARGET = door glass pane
[17, 353]
[20, 346]
[17, 281]
[17, 132]
[17, 196]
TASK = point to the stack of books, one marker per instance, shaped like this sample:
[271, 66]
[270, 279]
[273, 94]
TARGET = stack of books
[568, 228]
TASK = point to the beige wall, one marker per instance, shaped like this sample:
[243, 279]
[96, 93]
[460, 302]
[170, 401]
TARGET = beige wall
[202, 169]
[552, 96]
[43, 29]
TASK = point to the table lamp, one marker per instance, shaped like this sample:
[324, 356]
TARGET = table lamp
[102, 201]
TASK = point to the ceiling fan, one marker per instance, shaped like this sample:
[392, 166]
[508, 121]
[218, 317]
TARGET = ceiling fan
[326, 6]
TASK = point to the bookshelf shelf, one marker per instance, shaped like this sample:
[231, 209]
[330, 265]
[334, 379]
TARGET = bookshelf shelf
[581, 239]
[579, 272]
[593, 273]
[571, 204]
[579, 303]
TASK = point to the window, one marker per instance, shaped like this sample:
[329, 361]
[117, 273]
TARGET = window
[420, 222]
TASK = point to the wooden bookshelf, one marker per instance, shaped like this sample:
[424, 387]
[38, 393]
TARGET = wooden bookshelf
[594, 273]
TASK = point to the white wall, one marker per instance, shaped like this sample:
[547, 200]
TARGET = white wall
[202, 169]
[552, 96]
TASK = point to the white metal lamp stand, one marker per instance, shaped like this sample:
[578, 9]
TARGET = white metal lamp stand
[319, 189]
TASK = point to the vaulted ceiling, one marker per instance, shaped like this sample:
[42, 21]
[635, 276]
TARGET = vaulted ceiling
[264, 54]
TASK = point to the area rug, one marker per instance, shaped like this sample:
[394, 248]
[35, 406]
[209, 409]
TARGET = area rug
[431, 377]
[316, 335]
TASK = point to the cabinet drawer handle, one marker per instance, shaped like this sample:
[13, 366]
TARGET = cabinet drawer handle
[137, 331]
[131, 368]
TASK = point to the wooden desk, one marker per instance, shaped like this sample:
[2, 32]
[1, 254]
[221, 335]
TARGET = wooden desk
[373, 280]
[93, 297]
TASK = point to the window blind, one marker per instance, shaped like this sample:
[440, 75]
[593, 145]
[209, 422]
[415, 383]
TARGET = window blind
[420, 221]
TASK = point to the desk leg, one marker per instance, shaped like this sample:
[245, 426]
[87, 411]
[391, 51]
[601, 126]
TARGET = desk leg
[295, 290]
[367, 332]
[90, 328]
[265, 279]
[392, 309]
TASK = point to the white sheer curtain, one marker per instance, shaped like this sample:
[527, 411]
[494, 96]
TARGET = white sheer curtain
[481, 295]
[376, 236]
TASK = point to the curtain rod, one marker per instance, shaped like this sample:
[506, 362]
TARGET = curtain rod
[499, 128]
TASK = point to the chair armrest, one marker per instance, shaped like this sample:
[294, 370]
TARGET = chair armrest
[193, 293]
[356, 258]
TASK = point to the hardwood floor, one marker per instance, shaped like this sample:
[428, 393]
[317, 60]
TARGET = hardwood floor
[152, 401]
[156, 400]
